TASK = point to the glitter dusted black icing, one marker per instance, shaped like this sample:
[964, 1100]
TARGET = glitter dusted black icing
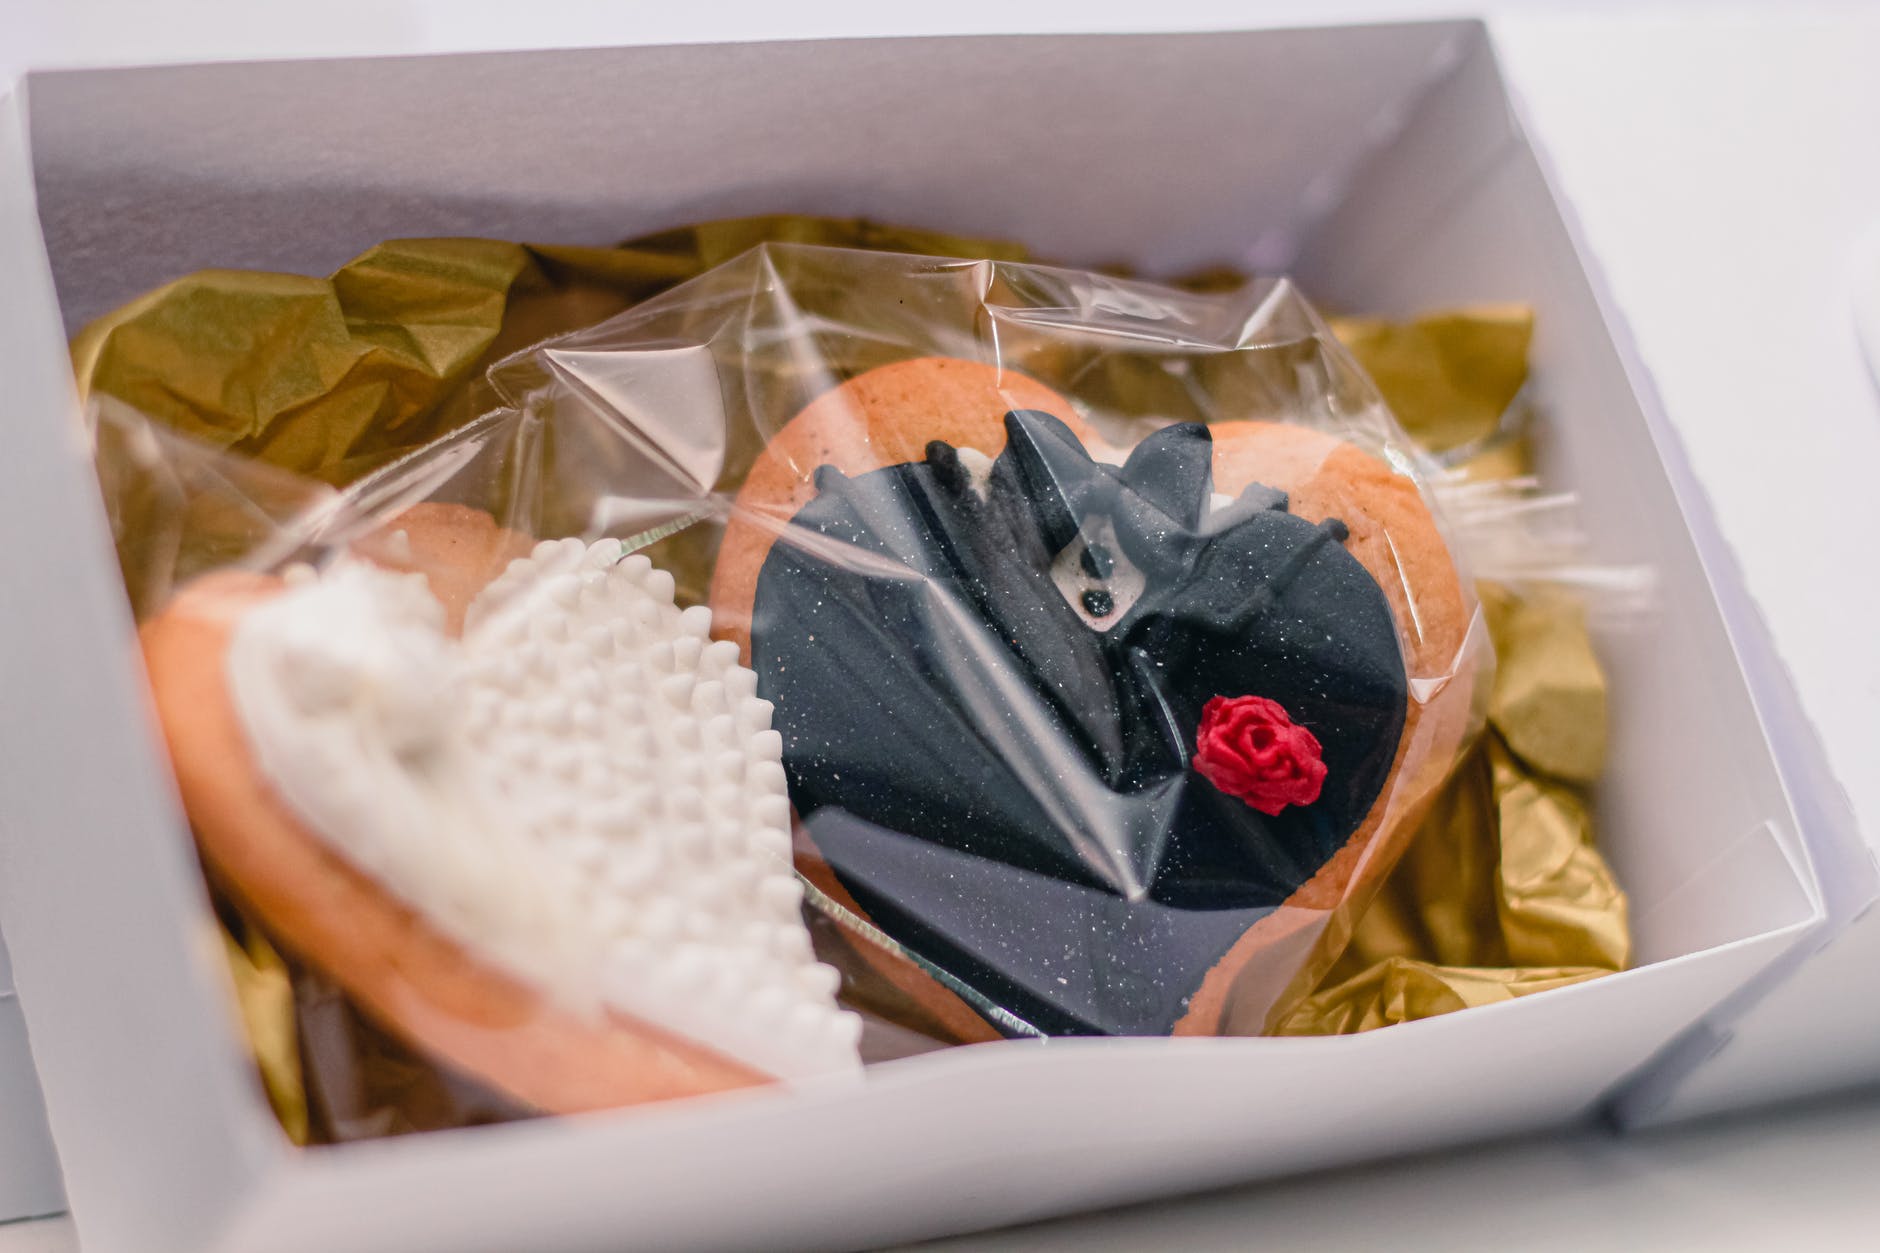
[1000, 774]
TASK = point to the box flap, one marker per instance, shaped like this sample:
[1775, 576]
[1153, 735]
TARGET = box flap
[111, 854]
[1738, 276]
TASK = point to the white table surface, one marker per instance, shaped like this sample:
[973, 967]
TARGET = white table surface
[1798, 1181]
[1739, 124]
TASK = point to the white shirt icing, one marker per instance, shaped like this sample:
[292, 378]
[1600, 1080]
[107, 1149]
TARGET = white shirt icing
[584, 790]
[1122, 585]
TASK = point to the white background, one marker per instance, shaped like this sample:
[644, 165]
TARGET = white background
[1723, 159]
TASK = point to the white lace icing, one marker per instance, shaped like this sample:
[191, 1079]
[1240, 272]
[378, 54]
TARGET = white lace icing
[584, 790]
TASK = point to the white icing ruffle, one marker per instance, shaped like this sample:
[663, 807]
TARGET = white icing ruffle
[584, 790]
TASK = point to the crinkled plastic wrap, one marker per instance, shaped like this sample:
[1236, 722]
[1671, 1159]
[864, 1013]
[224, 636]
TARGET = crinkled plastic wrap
[1112, 640]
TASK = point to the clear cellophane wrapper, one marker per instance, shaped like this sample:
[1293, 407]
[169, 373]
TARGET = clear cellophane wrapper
[1024, 844]
[997, 796]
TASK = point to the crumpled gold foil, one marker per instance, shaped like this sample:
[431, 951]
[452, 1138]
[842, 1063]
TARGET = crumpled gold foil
[311, 375]
[264, 993]
[332, 378]
[1502, 893]
[1549, 699]
[1449, 376]
[1403, 989]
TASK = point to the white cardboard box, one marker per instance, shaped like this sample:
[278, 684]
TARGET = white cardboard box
[1382, 164]
[1746, 130]
[29, 1173]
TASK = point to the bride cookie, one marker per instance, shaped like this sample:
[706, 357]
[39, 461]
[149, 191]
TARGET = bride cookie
[534, 825]
[1088, 734]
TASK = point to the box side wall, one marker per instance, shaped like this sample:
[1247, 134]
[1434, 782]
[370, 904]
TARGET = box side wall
[1795, 1030]
[1690, 771]
[29, 1169]
[992, 1134]
[103, 903]
[1816, 1030]
[1096, 149]
[1758, 367]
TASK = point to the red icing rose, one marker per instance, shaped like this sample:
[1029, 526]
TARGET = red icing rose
[1249, 747]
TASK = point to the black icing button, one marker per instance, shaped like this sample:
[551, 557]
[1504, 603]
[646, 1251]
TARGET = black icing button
[1098, 603]
[1098, 561]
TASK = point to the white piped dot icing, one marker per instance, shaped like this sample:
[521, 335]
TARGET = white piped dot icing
[585, 789]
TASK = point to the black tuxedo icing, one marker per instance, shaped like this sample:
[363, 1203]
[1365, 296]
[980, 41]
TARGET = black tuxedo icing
[1006, 787]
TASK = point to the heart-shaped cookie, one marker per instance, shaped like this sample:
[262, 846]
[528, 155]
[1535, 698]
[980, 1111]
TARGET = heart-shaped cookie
[553, 852]
[1072, 732]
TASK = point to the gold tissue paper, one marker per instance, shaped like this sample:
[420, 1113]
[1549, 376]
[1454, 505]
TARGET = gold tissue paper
[1452, 376]
[264, 993]
[333, 377]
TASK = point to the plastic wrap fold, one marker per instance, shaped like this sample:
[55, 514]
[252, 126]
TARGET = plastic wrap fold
[288, 415]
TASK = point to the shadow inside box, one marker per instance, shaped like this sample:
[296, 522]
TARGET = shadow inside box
[1793, 1174]
[136, 233]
